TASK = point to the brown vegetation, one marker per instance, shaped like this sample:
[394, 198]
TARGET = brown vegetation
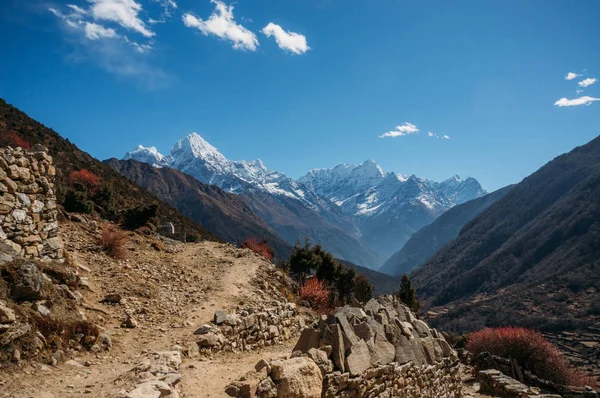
[113, 243]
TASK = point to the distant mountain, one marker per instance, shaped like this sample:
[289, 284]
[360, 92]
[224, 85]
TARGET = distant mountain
[388, 207]
[292, 210]
[429, 239]
[532, 258]
[68, 157]
[222, 213]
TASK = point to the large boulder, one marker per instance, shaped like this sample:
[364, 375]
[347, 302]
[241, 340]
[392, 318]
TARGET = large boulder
[339, 348]
[298, 377]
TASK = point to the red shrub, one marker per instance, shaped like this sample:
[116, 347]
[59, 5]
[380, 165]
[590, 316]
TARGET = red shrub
[12, 139]
[316, 293]
[259, 247]
[113, 242]
[531, 351]
[86, 178]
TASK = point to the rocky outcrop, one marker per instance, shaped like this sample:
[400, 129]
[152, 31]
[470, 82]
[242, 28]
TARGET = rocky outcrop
[28, 213]
[380, 349]
[250, 328]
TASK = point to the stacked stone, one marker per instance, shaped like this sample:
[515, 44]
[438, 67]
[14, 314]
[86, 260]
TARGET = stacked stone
[379, 350]
[250, 328]
[28, 213]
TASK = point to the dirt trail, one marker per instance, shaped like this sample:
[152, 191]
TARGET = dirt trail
[170, 293]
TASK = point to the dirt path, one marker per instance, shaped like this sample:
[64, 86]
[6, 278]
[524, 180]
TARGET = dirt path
[170, 293]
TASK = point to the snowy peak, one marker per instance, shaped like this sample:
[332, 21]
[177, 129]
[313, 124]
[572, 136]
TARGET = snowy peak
[195, 147]
[147, 155]
[460, 191]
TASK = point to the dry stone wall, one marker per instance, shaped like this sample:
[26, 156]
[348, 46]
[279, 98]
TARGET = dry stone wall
[251, 328]
[28, 212]
[376, 350]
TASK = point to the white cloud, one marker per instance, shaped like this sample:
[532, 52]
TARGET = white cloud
[571, 76]
[585, 100]
[430, 134]
[122, 12]
[94, 31]
[222, 24]
[578, 92]
[109, 49]
[400, 131]
[442, 137]
[446, 137]
[289, 41]
[587, 82]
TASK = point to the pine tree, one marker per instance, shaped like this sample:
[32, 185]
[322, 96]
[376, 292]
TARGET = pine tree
[408, 294]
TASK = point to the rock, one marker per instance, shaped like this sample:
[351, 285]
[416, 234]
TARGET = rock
[350, 337]
[382, 351]
[7, 253]
[172, 379]
[372, 307]
[422, 328]
[309, 338]
[363, 331]
[263, 367]
[447, 351]
[25, 282]
[297, 378]
[153, 389]
[104, 341]
[113, 298]
[172, 359]
[210, 340]
[74, 363]
[408, 350]
[359, 358]
[130, 322]
[221, 317]
[273, 331]
[321, 359]
[7, 315]
[42, 309]
[339, 349]
[203, 329]
[266, 389]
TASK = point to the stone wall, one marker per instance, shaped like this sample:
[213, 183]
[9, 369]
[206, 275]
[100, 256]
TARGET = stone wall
[28, 213]
[494, 381]
[250, 328]
[379, 350]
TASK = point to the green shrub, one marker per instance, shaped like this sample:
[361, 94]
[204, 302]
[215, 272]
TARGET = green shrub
[139, 216]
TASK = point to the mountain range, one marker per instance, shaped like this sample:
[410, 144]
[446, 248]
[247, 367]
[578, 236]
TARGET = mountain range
[358, 212]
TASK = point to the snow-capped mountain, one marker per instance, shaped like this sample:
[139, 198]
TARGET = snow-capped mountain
[388, 207]
[376, 210]
[195, 156]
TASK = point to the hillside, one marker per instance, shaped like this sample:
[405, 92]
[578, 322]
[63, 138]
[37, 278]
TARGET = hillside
[222, 213]
[67, 158]
[424, 243]
[535, 253]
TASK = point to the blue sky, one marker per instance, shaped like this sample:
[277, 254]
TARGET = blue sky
[490, 75]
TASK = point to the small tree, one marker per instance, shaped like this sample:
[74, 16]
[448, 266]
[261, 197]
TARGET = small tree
[345, 284]
[408, 294]
[77, 200]
[363, 289]
[13, 139]
[303, 260]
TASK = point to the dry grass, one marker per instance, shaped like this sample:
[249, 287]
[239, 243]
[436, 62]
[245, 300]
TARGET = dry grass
[113, 243]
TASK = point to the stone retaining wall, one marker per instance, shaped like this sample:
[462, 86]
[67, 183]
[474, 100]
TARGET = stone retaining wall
[496, 381]
[441, 380]
[28, 213]
[251, 328]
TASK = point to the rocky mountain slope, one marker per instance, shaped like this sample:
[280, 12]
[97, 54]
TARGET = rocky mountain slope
[534, 254]
[360, 213]
[67, 158]
[428, 240]
[222, 213]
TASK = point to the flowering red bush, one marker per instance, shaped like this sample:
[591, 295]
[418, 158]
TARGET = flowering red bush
[259, 247]
[86, 178]
[531, 351]
[316, 293]
[12, 139]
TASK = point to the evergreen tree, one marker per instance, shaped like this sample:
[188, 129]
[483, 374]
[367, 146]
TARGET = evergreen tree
[408, 294]
[363, 290]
